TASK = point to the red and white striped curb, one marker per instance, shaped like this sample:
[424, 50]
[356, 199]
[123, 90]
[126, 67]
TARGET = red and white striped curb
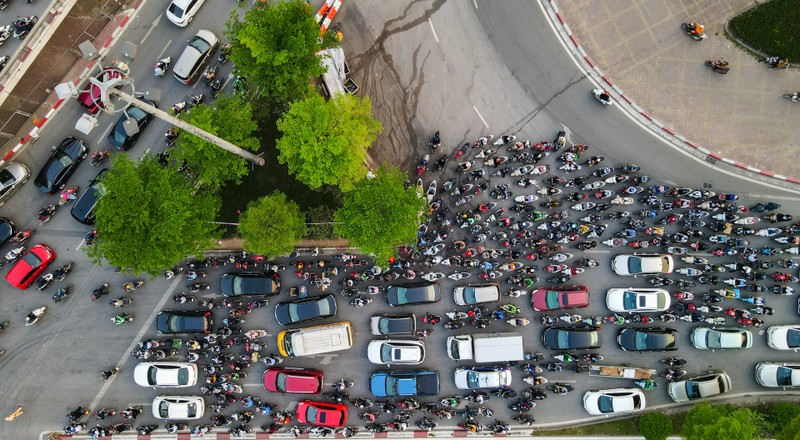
[635, 110]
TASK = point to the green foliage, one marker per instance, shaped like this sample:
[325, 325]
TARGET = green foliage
[773, 28]
[271, 225]
[151, 217]
[274, 47]
[780, 414]
[230, 118]
[324, 142]
[790, 431]
[655, 426]
[320, 214]
[379, 214]
[707, 422]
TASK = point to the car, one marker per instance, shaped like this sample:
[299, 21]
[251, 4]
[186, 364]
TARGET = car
[118, 138]
[410, 294]
[30, 266]
[90, 98]
[642, 264]
[164, 374]
[62, 163]
[178, 407]
[722, 338]
[305, 309]
[784, 337]
[197, 52]
[396, 351]
[393, 325]
[404, 383]
[293, 380]
[699, 387]
[7, 230]
[638, 300]
[83, 208]
[250, 283]
[647, 339]
[185, 321]
[332, 415]
[571, 338]
[11, 178]
[472, 378]
[559, 298]
[181, 12]
[778, 374]
[476, 294]
[613, 401]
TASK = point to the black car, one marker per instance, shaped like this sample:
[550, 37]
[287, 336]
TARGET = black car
[83, 209]
[119, 138]
[393, 325]
[571, 338]
[7, 230]
[647, 339]
[250, 283]
[425, 293]
[193, 321]
[306, 309]
[61, 165]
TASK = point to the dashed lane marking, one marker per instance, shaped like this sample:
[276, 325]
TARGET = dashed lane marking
[480, 116]
[433, 30]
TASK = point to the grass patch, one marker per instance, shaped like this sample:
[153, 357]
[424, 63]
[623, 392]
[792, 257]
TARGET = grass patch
[772, 28]
[614, 427]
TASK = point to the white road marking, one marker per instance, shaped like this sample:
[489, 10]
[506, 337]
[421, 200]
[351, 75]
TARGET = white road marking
[163, 50]
[479, 115]
[152, 26]
[600, 251]
[80, 244]
[433, 30]
[475, 3]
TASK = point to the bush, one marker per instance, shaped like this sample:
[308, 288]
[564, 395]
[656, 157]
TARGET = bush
[790, 431]
[320, 214]
[773, 28]
[780, 415]
[655, 426]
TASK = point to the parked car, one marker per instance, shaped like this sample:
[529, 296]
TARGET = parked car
[699, 387]
[784, 337]
[30, 266]
[638, 300]
[197, 52]
[332, 415]
[410, 294]
[647, 339]
[571, 338]
[613, 401]
[723, 338]
[178, 407]
[293, 380]
[404, 383]
[396, 352]
[181, 12]
[11, 178]
[778, 374]
[119, 138]
[250, 283]
[559, 298]
[165, 374]
[472, 378]
[90, 98]
[83, 208]
[476, 294]
[62, 163]
[305, 309]
[642, 264]
[7, 230]
[393, 325]
[185, 321]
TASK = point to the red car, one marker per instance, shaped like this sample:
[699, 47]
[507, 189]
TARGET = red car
[559, 297]
[332, 415]
[32, 263]
[293, 380]
[90, 96]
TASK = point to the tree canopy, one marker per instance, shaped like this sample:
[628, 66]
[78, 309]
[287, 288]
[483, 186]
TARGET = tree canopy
[655, 426]
[379, 215]
[230, 118]
[150, 217]
[272, 225]
[708, 422]
[324, 142]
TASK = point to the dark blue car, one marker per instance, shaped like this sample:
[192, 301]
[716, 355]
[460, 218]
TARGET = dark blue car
[404, 383]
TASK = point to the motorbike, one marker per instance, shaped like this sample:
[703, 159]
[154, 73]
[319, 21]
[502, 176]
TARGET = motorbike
[561, 389]
[68, 195]
[584, 206]
[122, 318]
[122, 302]
[23, 26]
[619, 200]
[34, 316]
[44, 281]
[694, 30]
[794, 97]
[61, 273]
[6, 32]
[162, 66]
[777, 62]
[14, 254]
[100, 291]
[131, 286]
[602, 96]
[99, 156]
[530, 198]
[719, 66]
[459, 276]
[61, 294]
[209, 75]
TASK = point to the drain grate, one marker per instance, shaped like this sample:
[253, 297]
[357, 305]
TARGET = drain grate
[708, 185]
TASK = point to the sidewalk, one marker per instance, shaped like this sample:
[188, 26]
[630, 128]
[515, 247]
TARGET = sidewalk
[641, 48]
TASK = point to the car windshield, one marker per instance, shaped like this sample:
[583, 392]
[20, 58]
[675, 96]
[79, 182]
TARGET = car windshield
[183, 376]
[784, 377]
[280, 382]
[119, 134]
[629, 300]
[713, 339]
[386, 353]
[6, 178]
[136, 113]
[175, 10]
[152, 376]
[383, 325]
[311, 414]
[174, 322]
[473, 379]
[641, 341]
[32, 260]
[605, 404]
[693, 390]
[200, 44]
[402, 297]
[191, 410]
[793, 338]
[163, 409]
[551, 299]
[634, 265]
[469, 295]
[392, 385]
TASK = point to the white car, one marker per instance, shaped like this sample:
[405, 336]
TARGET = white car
[178, 407]
[471, 378]
[777, 374]
[642, 264]
[165, 374]
[477, 294]
[637, 300]
[613, 401]
[709, 338]
[396, 351]
[11, 178]
[699, 387]
[784, 337]
[181, 12]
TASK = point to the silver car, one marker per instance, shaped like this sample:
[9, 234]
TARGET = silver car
[197, 52]
[700, 387]
[11, 178]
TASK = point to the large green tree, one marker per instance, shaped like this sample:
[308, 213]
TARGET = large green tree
[150, 217]
[791, 431]
[379, 215]
[231, 118]
[324, 142]
[723, 422]
[274, 47]
[272, 225]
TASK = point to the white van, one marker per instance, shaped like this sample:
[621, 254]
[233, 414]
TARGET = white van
[318, 339]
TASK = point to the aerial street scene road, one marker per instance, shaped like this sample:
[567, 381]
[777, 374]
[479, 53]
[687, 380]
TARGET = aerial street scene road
[398, 219]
